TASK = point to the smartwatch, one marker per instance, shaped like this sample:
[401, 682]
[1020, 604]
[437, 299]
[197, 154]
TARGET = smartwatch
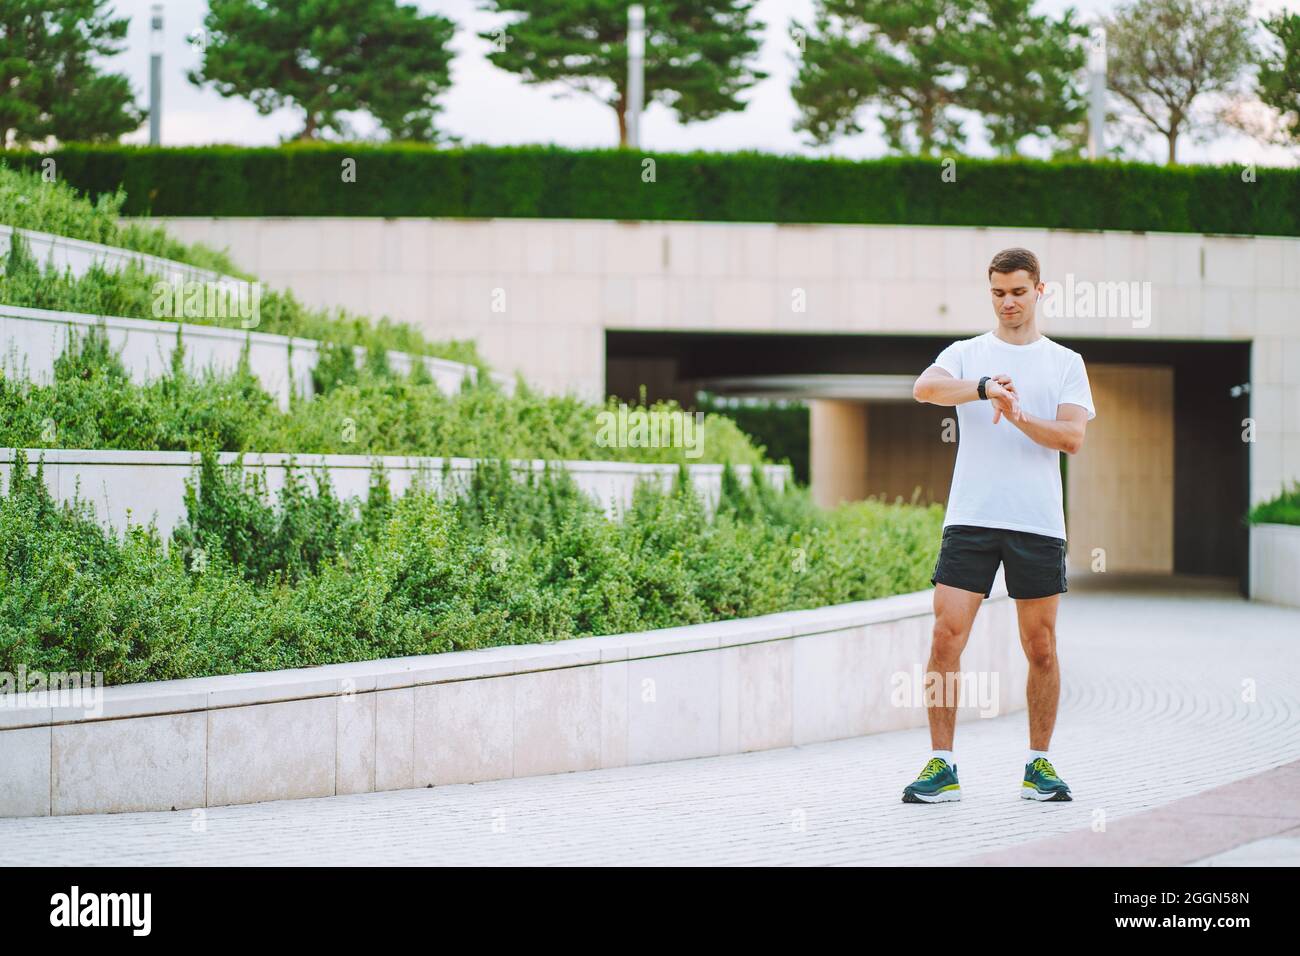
[980, 387]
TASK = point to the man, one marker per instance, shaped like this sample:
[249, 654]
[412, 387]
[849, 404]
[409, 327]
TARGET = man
[1005, 506]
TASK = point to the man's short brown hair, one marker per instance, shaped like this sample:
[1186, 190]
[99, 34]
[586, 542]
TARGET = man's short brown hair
[1012, 260]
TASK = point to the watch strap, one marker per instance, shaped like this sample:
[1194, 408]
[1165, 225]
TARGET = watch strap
[980, 387]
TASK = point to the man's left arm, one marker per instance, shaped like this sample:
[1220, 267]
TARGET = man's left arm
[1065, 433]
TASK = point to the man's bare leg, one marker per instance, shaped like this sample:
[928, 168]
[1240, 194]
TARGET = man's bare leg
[954, 614]
[1037, 619]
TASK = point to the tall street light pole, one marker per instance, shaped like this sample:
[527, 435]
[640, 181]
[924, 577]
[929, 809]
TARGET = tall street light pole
[635, 72]
[155, 73]
[1097, 92]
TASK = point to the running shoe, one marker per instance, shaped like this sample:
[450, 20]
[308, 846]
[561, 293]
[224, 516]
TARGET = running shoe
[936, 784]
[1042, 783]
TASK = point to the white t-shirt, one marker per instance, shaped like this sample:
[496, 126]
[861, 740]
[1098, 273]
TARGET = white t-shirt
[1004, 479]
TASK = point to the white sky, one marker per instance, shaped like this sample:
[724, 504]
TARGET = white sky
[490, 106]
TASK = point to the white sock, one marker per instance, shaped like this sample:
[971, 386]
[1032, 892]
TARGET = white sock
[1034, 755]
[945, 755]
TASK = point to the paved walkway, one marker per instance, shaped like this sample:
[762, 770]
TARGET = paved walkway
[1154, 709]
[1254, 821]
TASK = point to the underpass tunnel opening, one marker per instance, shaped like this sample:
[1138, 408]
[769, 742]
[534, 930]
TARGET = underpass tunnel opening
[1160, 486]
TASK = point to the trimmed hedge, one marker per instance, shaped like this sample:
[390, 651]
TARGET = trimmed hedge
[550, 182]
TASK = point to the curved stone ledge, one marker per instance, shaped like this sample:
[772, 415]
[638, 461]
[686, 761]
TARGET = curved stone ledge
[32, 339]
[758, 683]
[78, 255]
[136, 487]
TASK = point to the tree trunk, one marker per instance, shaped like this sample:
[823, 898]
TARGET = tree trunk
[621, 109]
[1175, 125]
[309, 130]
[925, 127]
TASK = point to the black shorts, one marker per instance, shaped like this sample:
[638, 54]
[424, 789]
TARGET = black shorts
[969, 556]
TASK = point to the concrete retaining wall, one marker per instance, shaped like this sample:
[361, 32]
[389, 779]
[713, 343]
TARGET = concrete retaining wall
[78, 255]
[704, 690]
[137, 486]
[1275, 563]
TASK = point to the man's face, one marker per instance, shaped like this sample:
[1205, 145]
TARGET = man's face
[1014, 297]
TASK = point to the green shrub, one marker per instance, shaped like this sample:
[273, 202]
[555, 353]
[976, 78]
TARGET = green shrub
[92, 403]
[780, 426]
[1283, 508]
[131, 292]
[335, 365]
[229, 511]
[510, 561]
[28, 202]
[554, 182]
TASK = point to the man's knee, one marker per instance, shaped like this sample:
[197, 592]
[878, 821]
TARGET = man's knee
[1039, 643]
[949, 639]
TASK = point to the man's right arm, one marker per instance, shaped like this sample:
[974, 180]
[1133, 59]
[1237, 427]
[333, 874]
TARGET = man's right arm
[937, 386]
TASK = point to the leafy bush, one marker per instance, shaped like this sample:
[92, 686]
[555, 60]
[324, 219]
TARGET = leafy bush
[130, 292]
[93, 404]
[510, 561]
[554, 182]
[228, 511]
[28, 202]
[781, 426]
[1283, 508]
[335, 365]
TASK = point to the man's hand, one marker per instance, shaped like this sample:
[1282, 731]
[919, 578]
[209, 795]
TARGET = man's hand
[1063, 433]
[1004, 398]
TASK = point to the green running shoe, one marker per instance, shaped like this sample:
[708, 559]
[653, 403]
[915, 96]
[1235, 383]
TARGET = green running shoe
[936, 784]
[1042, 783]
